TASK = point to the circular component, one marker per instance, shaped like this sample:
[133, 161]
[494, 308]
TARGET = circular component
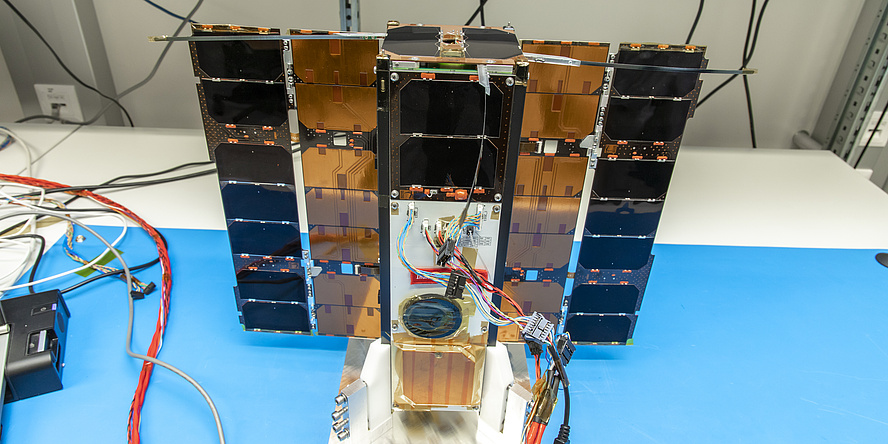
[510, 81]
[432, 316]
[394, 77]
[498, 197]
[395, 193]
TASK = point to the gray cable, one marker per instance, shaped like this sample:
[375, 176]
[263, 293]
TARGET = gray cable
[129, 328]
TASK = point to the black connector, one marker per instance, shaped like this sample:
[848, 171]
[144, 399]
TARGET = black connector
[38, 325]
[536, 349]
[563, 435]
[149, 288]
[446, 252]
[137, 295]
[455, 285]
[565, 347]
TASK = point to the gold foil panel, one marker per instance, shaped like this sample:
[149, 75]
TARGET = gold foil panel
[442, 374]
[542, 214]
[344, 244]
[344, 208]
[340, 289]
[336, 108]
[551, 78]
[339, 168]
[335, 61]
[531, 296]
[538, 250]
[337, 320]
[550, 176]
[559, 116]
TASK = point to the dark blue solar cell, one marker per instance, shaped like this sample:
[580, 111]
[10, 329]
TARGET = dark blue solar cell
[623, 217]
[264, 239]
[594, 328]
[276, 317]
[259, 202]
[622, 253]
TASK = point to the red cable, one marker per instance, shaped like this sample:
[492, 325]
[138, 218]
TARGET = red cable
[166, 287]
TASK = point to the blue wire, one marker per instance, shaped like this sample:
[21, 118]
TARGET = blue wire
[167, 11]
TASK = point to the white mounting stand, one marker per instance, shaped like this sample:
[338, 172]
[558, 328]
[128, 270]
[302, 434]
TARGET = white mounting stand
[364, 413]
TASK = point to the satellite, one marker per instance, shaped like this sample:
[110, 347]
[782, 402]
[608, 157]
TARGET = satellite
[448, 192]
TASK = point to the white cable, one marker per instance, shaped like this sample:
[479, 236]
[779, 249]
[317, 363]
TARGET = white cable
[131, 315]
[31, 223]
[58, 214]
[25, 146]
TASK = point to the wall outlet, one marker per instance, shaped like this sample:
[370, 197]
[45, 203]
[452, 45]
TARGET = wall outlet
[881, 137]
[59, 100]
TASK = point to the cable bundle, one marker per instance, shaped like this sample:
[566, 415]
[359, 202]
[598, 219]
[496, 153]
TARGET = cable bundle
[166, 288]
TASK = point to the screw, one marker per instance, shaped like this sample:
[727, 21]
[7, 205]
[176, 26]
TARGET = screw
[439, 355]
[395, 77]
[394, 205]
[510, 81]
[395, 194]
[305, 254]
[483, 329]
[394, 325]
[496, 209]
[497, 197]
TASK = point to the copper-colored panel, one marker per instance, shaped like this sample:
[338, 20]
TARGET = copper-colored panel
[335, 61]
[551, 78]
[544, 297]
[542, 214]
[538, 250]
[550, 176]
[344, 208]
[339, 168]
[353, 291]
[344, 244]
[336, 108]
[438, 378]
[508, 333]
[559, 116]
[337, 320]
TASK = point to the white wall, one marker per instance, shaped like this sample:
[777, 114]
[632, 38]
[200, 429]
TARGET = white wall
[10, 110]
[799, 49]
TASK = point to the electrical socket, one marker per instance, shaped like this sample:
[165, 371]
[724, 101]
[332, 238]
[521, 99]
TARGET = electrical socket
[59, 100]
[881, 137]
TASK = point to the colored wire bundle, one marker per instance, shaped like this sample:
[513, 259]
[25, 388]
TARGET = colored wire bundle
[478, 286]
[150, 358]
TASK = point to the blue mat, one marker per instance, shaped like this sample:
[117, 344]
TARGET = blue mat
[732, 344]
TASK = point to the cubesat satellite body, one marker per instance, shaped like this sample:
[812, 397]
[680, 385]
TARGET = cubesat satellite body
[431, 186]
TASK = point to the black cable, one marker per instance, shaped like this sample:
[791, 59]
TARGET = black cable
[748, 50]
[694, 26]
[749, 111]
[758, 24]
[110, 273]
[168, 12]
[130, 176]
[477, 11]
[42, 241]
[62, 64]
[129, 90]
[122, 185]
[868, 141]
[482, 12]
